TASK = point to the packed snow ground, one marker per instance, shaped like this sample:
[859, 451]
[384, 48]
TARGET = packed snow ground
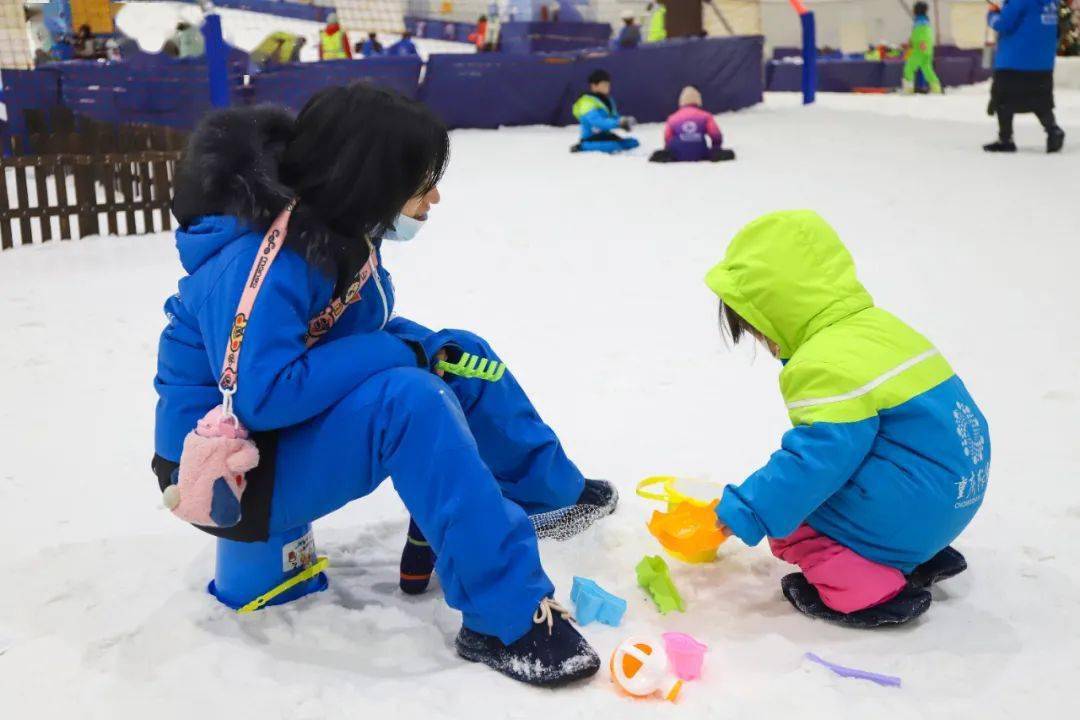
[585, 272]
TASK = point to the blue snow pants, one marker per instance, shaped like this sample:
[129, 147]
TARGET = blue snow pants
[469, 459]
[609, 143]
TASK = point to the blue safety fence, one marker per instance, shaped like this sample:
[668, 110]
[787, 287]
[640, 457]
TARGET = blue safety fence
[647, 81]
[495, 89]
[492, 89]
[851, 75]
[439, 29]
[537, 37]
[146, 88]
[27, 90]
[292, 85]
[468, 91]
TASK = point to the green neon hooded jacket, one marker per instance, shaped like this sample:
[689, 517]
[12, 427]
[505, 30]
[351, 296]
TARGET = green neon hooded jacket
[888, 454]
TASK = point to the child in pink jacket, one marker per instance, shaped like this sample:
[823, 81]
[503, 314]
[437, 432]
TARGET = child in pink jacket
[691, 134]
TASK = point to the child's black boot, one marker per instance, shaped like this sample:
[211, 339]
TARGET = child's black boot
[908, 605]
[552, 653]
[417, 562]
[598, 499]
[946, 564]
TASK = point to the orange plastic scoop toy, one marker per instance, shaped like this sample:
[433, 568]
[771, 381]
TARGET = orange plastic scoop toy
[689, 531]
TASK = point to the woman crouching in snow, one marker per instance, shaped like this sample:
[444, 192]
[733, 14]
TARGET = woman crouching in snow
[339, 405]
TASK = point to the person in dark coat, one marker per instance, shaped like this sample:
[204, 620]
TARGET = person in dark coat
[1024, 69]
[403, 47]
[371, 47]
[629, 36]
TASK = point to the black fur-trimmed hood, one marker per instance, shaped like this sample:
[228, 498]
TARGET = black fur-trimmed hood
[230, 166]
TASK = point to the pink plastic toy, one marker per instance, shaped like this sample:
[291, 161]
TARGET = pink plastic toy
[685, 654]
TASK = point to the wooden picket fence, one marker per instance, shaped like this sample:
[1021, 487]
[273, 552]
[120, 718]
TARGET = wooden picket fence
[73, 177]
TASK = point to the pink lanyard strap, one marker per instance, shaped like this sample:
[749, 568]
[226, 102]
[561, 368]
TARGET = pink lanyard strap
[324, 321]
[317, 328]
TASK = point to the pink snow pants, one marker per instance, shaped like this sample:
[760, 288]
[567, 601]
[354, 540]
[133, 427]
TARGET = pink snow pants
[846, 580]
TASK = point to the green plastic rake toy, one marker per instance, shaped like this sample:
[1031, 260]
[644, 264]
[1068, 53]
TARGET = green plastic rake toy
[474, 366]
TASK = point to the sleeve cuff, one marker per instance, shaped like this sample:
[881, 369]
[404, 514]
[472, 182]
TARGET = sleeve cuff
[739, 518]
[418, 350]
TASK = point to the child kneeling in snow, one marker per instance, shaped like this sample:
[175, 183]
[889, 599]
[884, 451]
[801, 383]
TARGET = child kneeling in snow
[691, 134]
[596, 112]
[889, 456]
[342, 392]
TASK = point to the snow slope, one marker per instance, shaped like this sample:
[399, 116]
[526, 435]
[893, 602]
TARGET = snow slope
[585, 272]
[152, 23]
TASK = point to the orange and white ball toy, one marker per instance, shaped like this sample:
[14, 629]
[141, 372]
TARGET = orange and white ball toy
[640, 667]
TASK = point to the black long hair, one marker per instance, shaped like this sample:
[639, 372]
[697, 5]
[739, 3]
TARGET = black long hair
[357, 155]
[733, 326]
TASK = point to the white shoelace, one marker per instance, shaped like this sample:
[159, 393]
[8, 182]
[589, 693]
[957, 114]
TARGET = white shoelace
[545, 613]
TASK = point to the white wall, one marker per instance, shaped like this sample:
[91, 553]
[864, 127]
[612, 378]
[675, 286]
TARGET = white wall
[14, 36]
[882, 20]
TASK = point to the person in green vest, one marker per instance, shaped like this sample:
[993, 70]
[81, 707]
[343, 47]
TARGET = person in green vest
[921, 55]
[333, 43]
[189, 41]
[657, 31]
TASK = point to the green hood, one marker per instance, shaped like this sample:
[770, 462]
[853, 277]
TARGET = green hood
[789, 276]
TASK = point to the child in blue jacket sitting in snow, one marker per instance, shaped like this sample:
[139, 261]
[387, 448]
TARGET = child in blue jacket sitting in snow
[599, 117]
[889, 456]
[342, 393]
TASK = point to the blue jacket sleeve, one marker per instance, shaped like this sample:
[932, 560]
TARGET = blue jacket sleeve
[600, 120]
[281, 382]
[1009, 18]
[407, 329]
[814, 461]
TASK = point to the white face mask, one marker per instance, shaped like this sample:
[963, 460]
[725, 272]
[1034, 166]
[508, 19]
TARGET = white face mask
[404, 230]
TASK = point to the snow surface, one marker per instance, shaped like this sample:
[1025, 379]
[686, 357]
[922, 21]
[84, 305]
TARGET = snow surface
[150, 24]
[585, 272]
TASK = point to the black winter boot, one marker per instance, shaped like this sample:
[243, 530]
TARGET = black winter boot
[721, 155]
[552, 653]
[946, 564]
[417, 562]
[1000, 146]
[1055, 140]
[908, 605]
[597, 500]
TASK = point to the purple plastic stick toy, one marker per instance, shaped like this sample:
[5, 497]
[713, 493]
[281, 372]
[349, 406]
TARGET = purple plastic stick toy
[886, 680]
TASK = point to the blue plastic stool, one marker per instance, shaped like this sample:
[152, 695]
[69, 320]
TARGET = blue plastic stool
[246, 570]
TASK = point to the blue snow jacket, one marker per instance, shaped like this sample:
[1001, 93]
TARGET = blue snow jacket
[281, 382]
[1027, 35]
[402, 48]
[888, 454]
[371, 48]
[596, 115]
